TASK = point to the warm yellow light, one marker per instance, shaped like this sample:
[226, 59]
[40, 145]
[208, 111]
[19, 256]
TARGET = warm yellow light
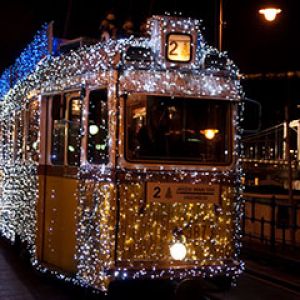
[179, 47]
[270, 13]
[209, 133]
[178, 251]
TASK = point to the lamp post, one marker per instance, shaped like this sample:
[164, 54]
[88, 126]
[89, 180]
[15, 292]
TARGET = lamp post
[270, 13]
[221, 24]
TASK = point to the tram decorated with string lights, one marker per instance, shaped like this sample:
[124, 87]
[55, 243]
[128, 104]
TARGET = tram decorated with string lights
[120, 160]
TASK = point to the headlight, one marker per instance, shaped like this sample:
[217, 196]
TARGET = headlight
[178, 251]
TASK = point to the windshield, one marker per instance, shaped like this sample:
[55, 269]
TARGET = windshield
[161, 128]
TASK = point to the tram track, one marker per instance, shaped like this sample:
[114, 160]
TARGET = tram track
[273, 280]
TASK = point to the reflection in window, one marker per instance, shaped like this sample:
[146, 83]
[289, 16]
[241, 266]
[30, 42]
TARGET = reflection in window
[73, 148]
[32, 146]
[58, 130]
[177, 129]
[97, 127]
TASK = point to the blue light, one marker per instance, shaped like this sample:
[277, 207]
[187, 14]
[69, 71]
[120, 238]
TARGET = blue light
[26, 62]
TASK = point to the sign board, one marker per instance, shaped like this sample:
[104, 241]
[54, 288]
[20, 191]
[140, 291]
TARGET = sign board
[179, 47]
[182, 192]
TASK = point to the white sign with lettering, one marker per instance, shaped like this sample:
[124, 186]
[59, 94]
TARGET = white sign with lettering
[182, 192]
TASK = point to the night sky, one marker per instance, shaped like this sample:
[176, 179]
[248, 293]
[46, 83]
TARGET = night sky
[254, 44]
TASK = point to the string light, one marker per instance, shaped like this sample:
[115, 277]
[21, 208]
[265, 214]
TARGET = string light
[144, 230]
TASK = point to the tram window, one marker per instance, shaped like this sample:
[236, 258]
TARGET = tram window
[73, 148]
[32, 124]
[58, 130]
[97, 148]
[177, 129]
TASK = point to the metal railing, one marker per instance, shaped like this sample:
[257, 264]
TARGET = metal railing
[272, 220]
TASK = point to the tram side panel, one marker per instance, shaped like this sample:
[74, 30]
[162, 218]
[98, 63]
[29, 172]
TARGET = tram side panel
[59, 183]
[96, 215]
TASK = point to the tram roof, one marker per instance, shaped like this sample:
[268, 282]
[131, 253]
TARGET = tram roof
[41, 61]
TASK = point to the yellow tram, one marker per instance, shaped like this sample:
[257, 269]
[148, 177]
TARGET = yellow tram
[121, 159]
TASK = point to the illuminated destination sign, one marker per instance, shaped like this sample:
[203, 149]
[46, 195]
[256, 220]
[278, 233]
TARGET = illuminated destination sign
[179, 47]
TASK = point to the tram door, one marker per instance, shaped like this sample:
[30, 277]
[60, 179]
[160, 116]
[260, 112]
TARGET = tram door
[60, 185]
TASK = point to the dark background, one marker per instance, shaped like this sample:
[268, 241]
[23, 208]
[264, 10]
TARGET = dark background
[255, 45]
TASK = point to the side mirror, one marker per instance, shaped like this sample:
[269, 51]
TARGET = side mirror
[251, 122]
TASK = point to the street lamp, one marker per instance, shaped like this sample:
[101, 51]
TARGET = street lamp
[270, 13]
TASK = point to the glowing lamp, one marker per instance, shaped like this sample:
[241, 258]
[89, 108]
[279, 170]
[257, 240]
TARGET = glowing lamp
[35, 145]
[93, 129]
[100, 147]
[71, 148]
[178, 251]
[270, 13]
[209, 133]
[179, 47]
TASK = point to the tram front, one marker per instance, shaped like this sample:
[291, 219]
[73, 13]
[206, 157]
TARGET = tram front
[177, 202]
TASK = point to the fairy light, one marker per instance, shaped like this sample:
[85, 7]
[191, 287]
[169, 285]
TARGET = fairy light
[144, 231]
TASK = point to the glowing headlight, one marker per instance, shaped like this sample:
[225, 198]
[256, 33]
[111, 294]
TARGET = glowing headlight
[178, 251]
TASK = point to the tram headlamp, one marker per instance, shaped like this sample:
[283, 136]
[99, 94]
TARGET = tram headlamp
[209, 133]
[178, 251]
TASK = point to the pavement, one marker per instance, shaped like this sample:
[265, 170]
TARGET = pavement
[280, 266]
[266, 278]
[20, 281]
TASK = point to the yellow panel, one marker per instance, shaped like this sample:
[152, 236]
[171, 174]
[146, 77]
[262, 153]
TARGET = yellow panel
[59, 229]
[40, 216]
[146, 229]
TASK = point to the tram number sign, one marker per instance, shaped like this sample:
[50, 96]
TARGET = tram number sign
[179, 47]
[182, 192]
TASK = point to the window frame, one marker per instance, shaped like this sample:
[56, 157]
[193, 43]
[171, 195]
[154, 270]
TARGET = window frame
[107, 160]
[27, 123]
[65, 97]
[189, 163]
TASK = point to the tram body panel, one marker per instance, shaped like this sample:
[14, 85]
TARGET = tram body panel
[40, 215]
[60, 186]
[59, 224]
[99, 223]
[147, 227]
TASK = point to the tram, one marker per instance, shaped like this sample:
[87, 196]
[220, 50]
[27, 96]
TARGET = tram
[120, 160]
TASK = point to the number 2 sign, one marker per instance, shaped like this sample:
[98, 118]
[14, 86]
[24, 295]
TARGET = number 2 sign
[179, 47]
